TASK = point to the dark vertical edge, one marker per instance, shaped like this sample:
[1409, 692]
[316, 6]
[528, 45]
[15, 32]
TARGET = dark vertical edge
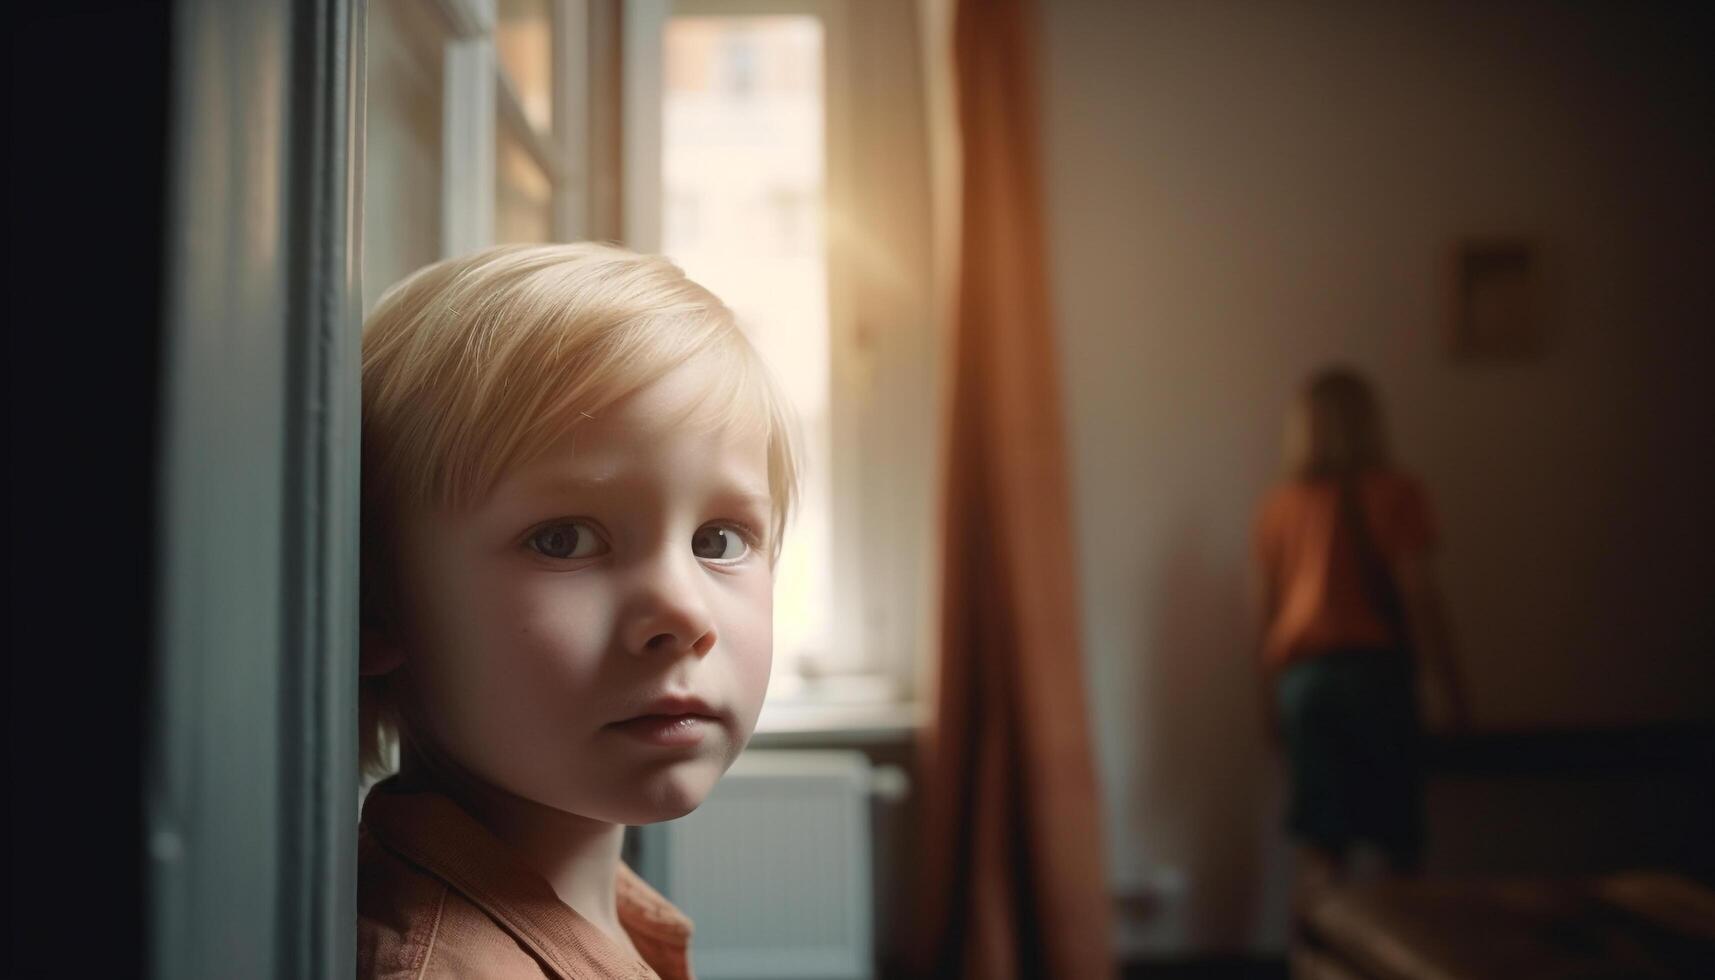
[342, 774]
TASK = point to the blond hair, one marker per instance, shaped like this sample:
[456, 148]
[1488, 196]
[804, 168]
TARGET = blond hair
[474, 365]
[1337, 431]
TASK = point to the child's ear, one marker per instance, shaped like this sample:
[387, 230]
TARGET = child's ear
[378, 653]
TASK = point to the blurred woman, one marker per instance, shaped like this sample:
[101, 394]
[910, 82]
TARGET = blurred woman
[1350, 609]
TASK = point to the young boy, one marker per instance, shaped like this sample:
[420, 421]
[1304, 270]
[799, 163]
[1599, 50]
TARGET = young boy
[576, 472]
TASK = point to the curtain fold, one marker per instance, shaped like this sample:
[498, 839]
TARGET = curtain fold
[1013, 884]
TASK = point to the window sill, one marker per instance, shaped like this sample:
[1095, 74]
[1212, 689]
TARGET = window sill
[814, 724]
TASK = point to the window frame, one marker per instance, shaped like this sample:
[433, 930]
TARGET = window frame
[480, 102]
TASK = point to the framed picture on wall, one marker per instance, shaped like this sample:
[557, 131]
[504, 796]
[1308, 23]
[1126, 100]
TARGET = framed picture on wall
[1497, 307]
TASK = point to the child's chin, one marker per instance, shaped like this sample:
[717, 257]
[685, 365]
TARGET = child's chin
[670, 794]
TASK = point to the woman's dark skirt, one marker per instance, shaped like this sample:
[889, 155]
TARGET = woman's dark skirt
[1351, 727]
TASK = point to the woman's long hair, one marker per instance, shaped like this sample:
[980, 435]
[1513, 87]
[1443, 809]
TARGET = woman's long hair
[1335, 429]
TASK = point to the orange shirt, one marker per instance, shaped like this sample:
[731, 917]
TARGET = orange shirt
[1312, 565]
[439, 896]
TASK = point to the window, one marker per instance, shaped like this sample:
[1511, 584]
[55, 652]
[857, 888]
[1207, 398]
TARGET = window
[744, 177]
[733, 136]
[526, 154]
[477, 128]
[755, 159]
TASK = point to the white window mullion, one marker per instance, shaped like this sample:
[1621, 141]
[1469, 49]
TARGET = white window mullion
[641, 28]
[467, 188]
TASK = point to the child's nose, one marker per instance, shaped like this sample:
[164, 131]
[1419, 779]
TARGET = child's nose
[669, 613]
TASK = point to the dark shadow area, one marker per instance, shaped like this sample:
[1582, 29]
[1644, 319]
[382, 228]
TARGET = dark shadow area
[86, 126]
[1561, 803]
[1207, 968]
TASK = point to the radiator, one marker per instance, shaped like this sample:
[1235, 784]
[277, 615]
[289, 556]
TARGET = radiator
[774, 869]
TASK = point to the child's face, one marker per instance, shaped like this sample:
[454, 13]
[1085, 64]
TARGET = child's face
[621, 577]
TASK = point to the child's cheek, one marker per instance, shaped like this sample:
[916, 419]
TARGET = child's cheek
[537, 697]
[552, 635]
[749, 631]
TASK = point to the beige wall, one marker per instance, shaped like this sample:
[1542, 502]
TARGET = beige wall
[402, 145]
[1241, 191]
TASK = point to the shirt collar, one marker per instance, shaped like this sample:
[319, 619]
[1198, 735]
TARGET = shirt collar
[434, 833]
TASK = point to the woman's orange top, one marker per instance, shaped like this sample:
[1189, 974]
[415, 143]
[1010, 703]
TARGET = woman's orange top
[1311, 563]
[439, 896]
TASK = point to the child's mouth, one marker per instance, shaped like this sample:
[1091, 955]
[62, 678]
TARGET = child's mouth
[669, 731]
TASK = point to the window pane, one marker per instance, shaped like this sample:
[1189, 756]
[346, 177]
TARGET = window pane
[523, 36]
[743, 195]
[522, 194]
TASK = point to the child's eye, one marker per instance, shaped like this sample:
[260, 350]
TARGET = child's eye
[718, 542]
[573, 539]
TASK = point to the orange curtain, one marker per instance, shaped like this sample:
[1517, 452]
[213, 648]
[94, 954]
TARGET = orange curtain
[1013, 880]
